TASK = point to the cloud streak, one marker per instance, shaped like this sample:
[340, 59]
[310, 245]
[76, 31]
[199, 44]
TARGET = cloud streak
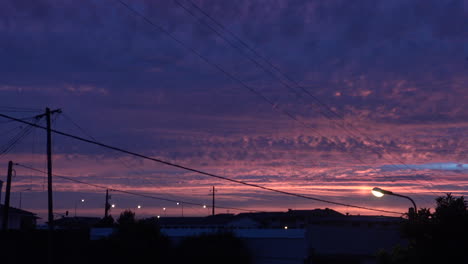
[395, 71]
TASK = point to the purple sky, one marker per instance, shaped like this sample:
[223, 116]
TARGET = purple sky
[396, 71]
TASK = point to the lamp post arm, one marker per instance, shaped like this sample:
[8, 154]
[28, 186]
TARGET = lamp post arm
[409, 198]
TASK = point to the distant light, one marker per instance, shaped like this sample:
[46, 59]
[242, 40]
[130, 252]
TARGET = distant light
[177, 203]
[113, 205]
[204, 206]
[164, 208]
[285, 227]
[82, 200]
[377, 193]
[158, 216]
[139, 206]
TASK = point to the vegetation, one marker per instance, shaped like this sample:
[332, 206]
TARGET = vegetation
[213, 249]
[439, 237]
[134, 241]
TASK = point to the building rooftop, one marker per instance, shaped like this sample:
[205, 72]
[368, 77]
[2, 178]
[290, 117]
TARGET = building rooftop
[18, 211]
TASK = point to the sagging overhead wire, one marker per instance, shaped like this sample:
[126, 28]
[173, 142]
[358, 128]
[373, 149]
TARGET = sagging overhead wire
[69, 178]
[329, 113]
[199, 171]
[261, 95]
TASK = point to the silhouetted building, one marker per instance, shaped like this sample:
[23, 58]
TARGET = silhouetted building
[18, 218]
[291, 218]
[353, 238]
[297, 236]
[75, 223]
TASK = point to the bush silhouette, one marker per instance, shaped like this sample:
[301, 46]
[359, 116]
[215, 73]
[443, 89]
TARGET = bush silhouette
[439, 237]
[213, 248]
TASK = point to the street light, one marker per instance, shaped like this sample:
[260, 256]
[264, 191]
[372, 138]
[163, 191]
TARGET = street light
[181, 205]
[378, 192]
[82, 201]
[21, 192]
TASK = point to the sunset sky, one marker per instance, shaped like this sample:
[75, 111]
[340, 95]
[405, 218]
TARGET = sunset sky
[323, 98]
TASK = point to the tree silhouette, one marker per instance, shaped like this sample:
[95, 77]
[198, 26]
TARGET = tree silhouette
[450, 209]
[127, 218]
[134, 241]
[213, 249]
[107, 221]
[439, 237]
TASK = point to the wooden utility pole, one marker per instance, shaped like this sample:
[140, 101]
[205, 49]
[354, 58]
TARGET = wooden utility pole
[6, 207]
[49, 172]
[47, 114]
[50, 250]
[50, 206]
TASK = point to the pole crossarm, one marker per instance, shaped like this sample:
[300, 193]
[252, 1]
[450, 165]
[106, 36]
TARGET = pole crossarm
[56, 111]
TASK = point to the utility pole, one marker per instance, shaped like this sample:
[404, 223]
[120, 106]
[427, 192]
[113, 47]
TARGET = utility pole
[107, 206]
[213, 202]
[50, 251]
[1, 185]
[49, 172]
[6, 208]
[47, 114]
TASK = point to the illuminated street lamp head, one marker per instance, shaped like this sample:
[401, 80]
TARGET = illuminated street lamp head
[164, 208]
[139, 206]
[377, 192]
[82, 200]
[380, 192]
[113, 205]
[177, 203]
[204, 206]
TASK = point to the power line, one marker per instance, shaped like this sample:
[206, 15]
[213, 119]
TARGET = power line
[297, 84]
[68, 178]
[232, 77]
[259, 94]
[16, 139]
[78, 126]
[203, 58]
[242, 83]
[18, 109]
[196, 170]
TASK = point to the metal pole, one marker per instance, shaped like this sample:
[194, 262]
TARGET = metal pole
[107, 205]
[409, 198]
[213, 203]
[6, 208]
